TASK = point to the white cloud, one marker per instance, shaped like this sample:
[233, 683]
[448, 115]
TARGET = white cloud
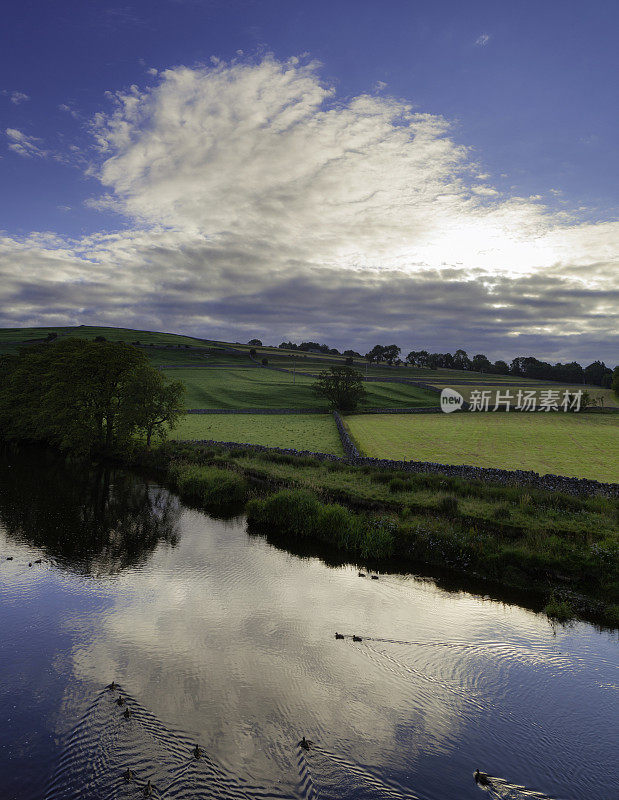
[15, 97]
[258, 200]
[24, 145]
[482, 40]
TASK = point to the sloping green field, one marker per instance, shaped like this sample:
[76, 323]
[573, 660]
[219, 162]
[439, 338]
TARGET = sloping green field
[264, 388]
[580, 445]
[316, 432]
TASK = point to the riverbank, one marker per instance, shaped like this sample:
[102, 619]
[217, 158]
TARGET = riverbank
[549, 544]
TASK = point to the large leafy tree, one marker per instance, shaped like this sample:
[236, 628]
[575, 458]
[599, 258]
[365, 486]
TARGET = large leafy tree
[79, 395]
[341, 386]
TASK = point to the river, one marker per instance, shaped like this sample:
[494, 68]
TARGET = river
[224, 640]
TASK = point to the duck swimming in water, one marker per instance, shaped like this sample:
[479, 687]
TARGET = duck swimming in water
[39, 561]
[374, 577]
[128, 775]
[362, 574]
[305, 743]
[121, 701]
[9, 558]
[339, 635]
[197, 751]
[482, 778]
[112, 686]
[357, 638]
[127, 713]
[148, 789]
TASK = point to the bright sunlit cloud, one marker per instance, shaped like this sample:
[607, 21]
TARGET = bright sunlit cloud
[260, 201]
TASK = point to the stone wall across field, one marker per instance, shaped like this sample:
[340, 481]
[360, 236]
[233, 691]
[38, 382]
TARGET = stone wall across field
[555, 483]
[432, 410]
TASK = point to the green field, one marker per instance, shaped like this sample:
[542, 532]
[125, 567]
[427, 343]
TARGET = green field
[316, 432]
[584, 446]
[264, 388]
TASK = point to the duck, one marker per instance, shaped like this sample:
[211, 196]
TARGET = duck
[121, 701]
[148, 789]
[197, 751]
[374, 577]
[339, 635]
[128, 775]
[361, 574]
[9, 558]
[127, 713]
[112, 686]
[30, 564]
[482, 778]
[39, 561]
[305, 743]
[356, 638]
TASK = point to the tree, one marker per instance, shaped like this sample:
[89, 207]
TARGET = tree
[377, 353]
[615, 382]
[153, 402]
[341, 386]
[481, 363]
[255, 342]
[391, 353]
[75, 394]
[595, 372]
[461, 360]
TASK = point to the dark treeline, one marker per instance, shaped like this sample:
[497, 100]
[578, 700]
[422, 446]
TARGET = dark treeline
[596, 373]
[85, 396]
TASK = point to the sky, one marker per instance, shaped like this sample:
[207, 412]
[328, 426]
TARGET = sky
[437, 175]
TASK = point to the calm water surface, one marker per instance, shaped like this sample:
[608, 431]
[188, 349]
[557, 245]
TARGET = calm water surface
[220, 638]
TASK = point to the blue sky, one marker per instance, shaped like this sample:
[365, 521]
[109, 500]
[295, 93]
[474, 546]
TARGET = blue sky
[524, 93]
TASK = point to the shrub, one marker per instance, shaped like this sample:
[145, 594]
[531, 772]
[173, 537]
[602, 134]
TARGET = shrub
[378, 539]
[448, 505]
[290, 512]
[399, 485]
[561, 610]
[338, 526]
[209, 485]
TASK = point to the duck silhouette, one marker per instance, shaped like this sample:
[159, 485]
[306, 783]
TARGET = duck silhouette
[305, 743]
[9, 558]
[128, 775]
[127, 713]
[120, 701]
[482, 778]
[357, 638]
[339, 635]
[39, 561]
[374, 577]
[148, 789]
[112, 686]
[197, 751]
[361, 574]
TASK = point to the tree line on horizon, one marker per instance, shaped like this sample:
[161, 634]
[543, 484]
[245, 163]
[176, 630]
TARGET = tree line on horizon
[596, 373]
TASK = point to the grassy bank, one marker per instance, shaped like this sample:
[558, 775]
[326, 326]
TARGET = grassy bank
[579, 445]
[561, 550]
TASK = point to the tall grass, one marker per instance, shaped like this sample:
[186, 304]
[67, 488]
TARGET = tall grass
[207, 484]
[298, 514]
